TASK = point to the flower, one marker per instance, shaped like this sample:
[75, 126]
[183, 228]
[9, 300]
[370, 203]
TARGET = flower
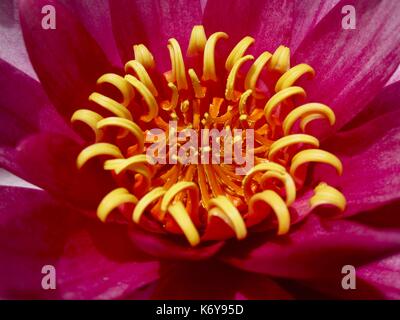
[58, 225]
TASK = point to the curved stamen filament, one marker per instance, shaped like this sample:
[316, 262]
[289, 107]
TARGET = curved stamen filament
[327, 195]
[96, 150]
[278, 206]
[147, 96]
[280, 97]
[113, 200]
[307, 110]
[111, 105]
[230, 82]
[315, 155]
[144, 56]
[209, 72]
[292, 75]
[238, 52]
[287, 141]
[124, 124]
[197, 41]
[90, 118]
[142, 74]
[120, 83]
[146, 201]
[180, 215]
[178, 65]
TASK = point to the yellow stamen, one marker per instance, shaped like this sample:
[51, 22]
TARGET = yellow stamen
[278, 206]
[280, 60]
[255, 70]
[315, 155]
[144, 56]
[111, 105]
[286, 179]
[307, 110]
[292, 75]
[227, 207]
[287, 141]
[199, 91]
[142, 74]
[259, 168]
[197, 41]
[209, 72]
[119, 165]
[205, 196]
[147, 200]
[90, 118]
[243, 101]
[327, 195]
[147, 96]
[113, 200]
[238, 52]
[120, 83]
[95, 150]
[307, 119]
[182, 218]
[178, 65]
[280, 97]
[178, 188]
[124, 124]
[171, 105]
[230, 82]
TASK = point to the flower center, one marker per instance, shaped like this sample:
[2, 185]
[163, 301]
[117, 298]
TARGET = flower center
[207, 200]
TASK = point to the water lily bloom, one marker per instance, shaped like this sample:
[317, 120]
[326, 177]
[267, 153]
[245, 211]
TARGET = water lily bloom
[80, 102]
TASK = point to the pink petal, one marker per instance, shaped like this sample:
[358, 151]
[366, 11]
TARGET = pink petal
[97, 20]
[67, 60]
[371, 163]
[153, 23]
[352, 66]
[49, 161]
[212, 280]
[315, 249]
[92, 261]
[12, 47]
[20, 118]
[163, 246]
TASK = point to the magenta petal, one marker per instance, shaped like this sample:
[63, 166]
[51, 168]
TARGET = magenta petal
[153, 23]
[315, 249]
[212, 280]
[352, 65]
[12, 47]
[386, 101]
[24, 107]
[67, 60]
[92, 263]
[97, 20]
[162, 246]
[306, 15]
[371, 163]
[383, 275]
[270, 22]
[49, 161]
